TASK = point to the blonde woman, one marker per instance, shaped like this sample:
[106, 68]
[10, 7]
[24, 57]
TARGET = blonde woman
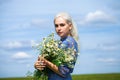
[66, 29]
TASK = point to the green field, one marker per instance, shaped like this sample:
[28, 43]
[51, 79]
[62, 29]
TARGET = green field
[114, 76]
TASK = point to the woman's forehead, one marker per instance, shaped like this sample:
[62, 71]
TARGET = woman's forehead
[60, 20]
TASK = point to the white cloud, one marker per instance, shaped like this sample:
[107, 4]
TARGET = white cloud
[99, 42]
[103, 46]
[21, 55]
[33, 42]
[107, 60]
[14, 44]
[108, 46]
[98, 17]
[24, 25]
[38, 22]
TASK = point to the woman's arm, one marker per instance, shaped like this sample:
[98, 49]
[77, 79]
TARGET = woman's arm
[53, 67]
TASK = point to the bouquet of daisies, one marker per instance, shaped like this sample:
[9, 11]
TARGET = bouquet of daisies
[50, 50]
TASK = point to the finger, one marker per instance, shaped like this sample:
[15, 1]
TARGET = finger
[42, 63]
[39, 58]
[38, 62]
[40, 68]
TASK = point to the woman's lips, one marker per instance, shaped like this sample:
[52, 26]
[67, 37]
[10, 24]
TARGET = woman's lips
[59, 32]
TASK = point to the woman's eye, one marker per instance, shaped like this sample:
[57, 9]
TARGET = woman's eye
[56, 25]
[62, 24]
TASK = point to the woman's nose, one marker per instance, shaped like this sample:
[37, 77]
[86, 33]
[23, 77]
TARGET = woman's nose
[59, 28]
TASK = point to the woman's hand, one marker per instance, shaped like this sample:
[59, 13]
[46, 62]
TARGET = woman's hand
[40, 64]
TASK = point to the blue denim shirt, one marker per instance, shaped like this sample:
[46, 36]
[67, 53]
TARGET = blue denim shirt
[68, 42]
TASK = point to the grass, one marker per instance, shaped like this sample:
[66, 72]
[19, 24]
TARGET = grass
[112, 76]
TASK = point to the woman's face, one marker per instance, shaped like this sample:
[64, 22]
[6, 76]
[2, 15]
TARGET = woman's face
[62, 27]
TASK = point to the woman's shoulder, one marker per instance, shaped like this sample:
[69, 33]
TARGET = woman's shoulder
[70, 41]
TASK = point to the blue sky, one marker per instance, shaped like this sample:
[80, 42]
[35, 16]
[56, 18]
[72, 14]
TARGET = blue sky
[25, 22]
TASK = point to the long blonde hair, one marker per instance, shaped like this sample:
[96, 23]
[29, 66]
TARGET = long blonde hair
[68, 18]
